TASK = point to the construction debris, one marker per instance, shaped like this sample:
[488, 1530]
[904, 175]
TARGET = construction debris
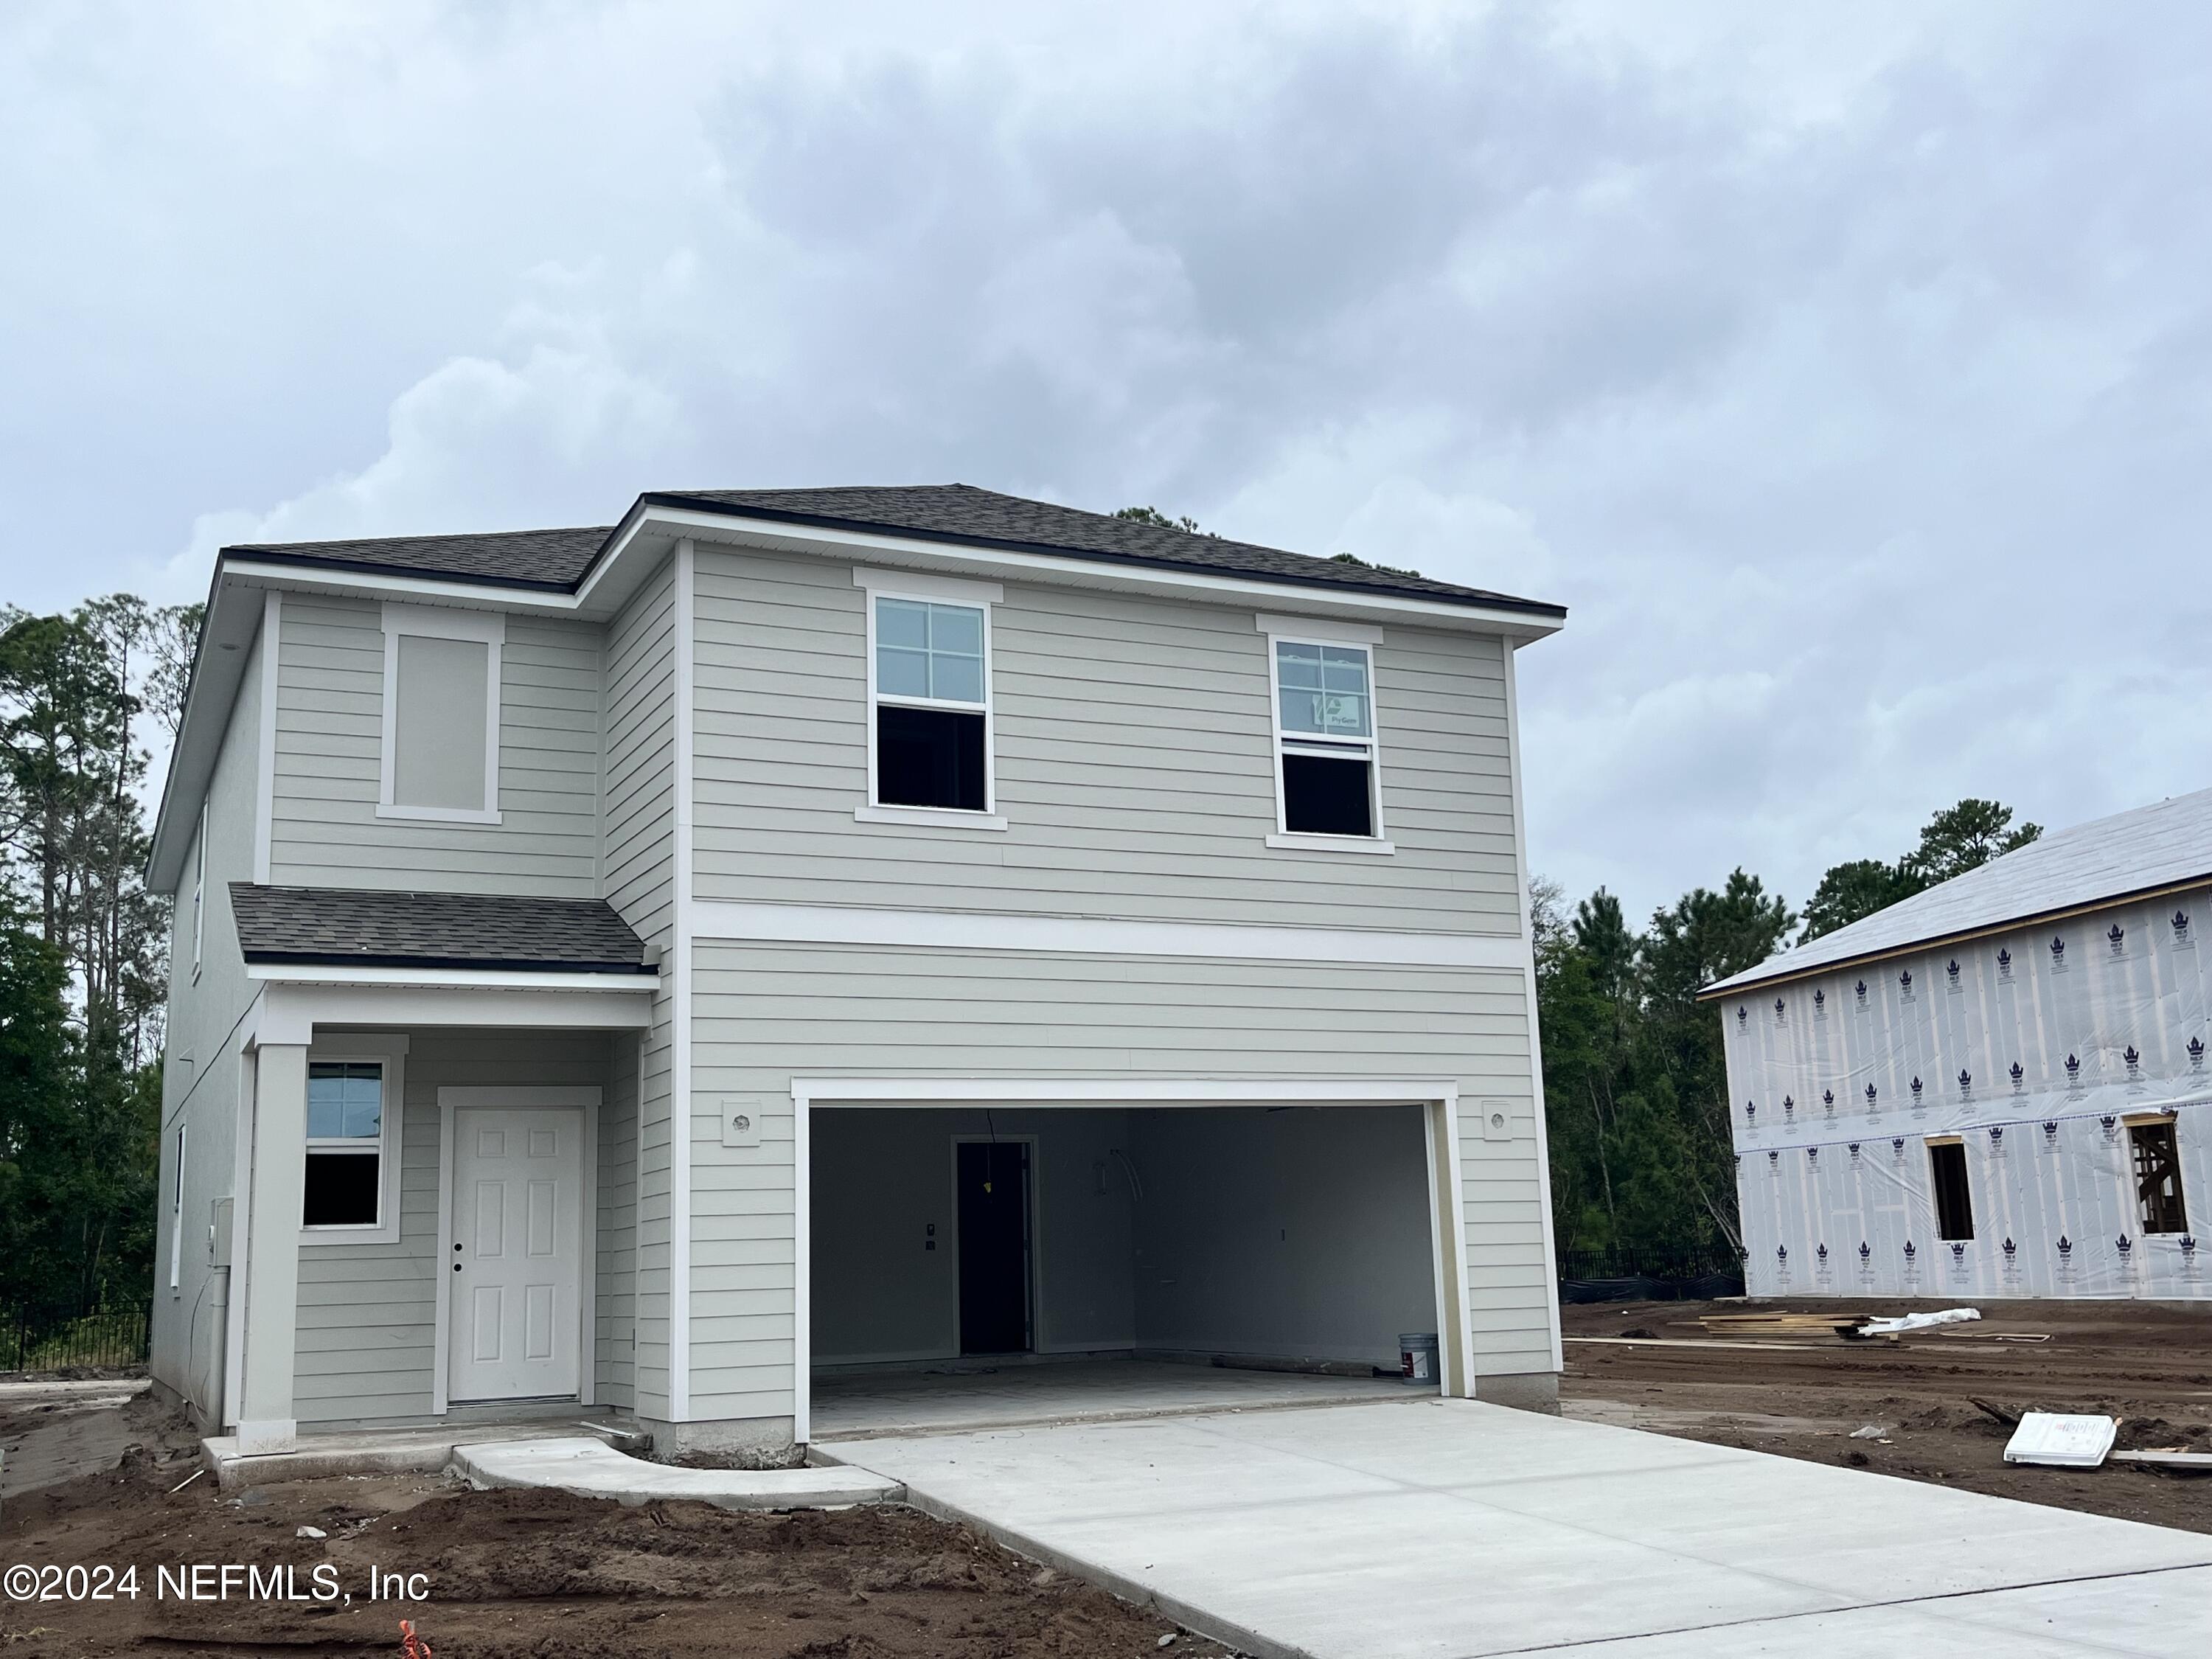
[1918, 1321]
[1783, 1324]
[2181, 1463]
[2061, 1440]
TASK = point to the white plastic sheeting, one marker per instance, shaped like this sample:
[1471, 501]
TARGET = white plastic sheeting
[2038, 1049]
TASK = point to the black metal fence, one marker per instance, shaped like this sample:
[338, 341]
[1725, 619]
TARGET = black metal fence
[64, 1336]
[1650, 1273]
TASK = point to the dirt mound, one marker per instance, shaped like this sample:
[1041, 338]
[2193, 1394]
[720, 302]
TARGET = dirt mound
[527, 1572]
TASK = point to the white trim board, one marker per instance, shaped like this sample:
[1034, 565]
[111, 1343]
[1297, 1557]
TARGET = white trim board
[684, 611]
[482, 978]
[265, 782]
[290, 1013]
[583, 1097]
[837, 923]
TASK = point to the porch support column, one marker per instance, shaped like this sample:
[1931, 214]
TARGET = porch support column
[265, 1419]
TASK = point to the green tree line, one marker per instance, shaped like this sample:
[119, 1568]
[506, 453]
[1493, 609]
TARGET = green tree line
[1635, 1088]
[83, 944]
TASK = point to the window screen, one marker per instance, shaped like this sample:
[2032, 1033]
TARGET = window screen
[1954, 1204]
[345, 1145]
[2158, 1178]
[438, 738]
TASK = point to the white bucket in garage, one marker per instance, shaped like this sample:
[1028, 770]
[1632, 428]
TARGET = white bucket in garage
[1417, 1356]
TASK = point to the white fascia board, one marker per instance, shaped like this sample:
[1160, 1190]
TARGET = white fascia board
[301, 972]
[936, 1091]
[290, 1013]
[969, 559]
[834, 924]
[445, 594]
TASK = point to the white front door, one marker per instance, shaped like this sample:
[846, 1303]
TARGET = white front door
[516, 1255]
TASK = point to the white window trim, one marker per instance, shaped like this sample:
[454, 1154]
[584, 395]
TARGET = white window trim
[199, 893]
[177, 1214]
[1297, 631]
[933, 590]
[488, 628]
[391, 1053]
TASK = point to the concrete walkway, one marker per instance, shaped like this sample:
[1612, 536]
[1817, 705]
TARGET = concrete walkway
[1433, 1529]
[592, 1468]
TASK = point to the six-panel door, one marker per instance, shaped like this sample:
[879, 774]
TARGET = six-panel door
[516, 1252]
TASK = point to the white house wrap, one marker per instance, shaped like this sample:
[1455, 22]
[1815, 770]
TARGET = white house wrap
[2060, 1043]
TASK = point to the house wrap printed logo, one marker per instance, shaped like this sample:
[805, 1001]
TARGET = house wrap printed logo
[2196, 1054]
[1781, 1012]
[1820, 1005]
[1965, 1084]
[2183, 938]
[1827, 1102]
[2188, 1247]
[2116, 939]
[2074, 1076]
[2019, 1078]
[2004, 967]
[2051, 1135]
[2057, 955]
[1857, 1162]
[1861, 989]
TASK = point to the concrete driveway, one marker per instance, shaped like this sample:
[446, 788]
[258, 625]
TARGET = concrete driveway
[1441, 1528]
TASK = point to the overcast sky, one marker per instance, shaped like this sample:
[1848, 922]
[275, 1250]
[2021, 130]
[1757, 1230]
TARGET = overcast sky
[1847, 371]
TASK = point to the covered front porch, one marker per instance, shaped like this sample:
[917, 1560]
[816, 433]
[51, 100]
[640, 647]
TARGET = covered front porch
[436, 1223]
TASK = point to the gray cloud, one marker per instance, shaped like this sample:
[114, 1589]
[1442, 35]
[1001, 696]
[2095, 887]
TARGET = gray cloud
[1847, 375]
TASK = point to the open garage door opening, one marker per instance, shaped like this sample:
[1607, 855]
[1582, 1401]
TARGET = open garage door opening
[969, 1265]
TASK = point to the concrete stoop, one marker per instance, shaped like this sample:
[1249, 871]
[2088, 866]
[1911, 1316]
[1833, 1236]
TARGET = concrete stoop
[587, 1465]
[591, 1468]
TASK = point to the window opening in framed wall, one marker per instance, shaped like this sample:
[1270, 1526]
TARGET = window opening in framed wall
[932, 704]
[346, 1148]
[2156, 1159]
[1954, 1201]
[1325, 740]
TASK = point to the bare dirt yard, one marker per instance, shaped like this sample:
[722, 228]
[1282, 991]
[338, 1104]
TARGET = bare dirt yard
[1803, 1397]
[510, 1573]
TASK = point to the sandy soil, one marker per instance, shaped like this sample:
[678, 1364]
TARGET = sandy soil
[537, 1573]
[2151, 1367]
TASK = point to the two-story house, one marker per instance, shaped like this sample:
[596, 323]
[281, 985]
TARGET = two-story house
[644, 966]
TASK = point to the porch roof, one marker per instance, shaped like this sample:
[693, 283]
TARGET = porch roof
[374, 928]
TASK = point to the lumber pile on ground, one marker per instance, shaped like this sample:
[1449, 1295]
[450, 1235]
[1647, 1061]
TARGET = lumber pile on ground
[1783, 1324]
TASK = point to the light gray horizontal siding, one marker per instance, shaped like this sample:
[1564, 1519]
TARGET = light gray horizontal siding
[763, 1013]
[323, 829]
[365, 1345]
[1135, 766]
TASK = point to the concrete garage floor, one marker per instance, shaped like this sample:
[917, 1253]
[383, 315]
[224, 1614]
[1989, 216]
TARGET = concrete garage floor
[970, 1396]
[1441, 1528]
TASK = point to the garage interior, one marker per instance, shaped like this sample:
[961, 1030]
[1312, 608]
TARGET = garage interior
[973, 1266]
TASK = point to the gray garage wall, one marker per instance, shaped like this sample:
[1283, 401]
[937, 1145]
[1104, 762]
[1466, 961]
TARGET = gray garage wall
[764, 1014]
[1296, 1233]
[882, 1177]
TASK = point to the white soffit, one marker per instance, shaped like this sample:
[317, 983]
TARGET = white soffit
[2151, 848]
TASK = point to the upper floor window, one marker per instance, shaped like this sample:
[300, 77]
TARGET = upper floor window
[1328, 753]
[930, 733]
[441, 749]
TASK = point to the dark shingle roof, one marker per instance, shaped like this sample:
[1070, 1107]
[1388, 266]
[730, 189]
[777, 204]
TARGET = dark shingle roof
[958, 513]
[962, 513]
[513, 558]
[379, 929]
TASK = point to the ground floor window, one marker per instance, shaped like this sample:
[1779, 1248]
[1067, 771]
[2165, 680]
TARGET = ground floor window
[345, 1145]
[1954, 1203]
[2157, 1176]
